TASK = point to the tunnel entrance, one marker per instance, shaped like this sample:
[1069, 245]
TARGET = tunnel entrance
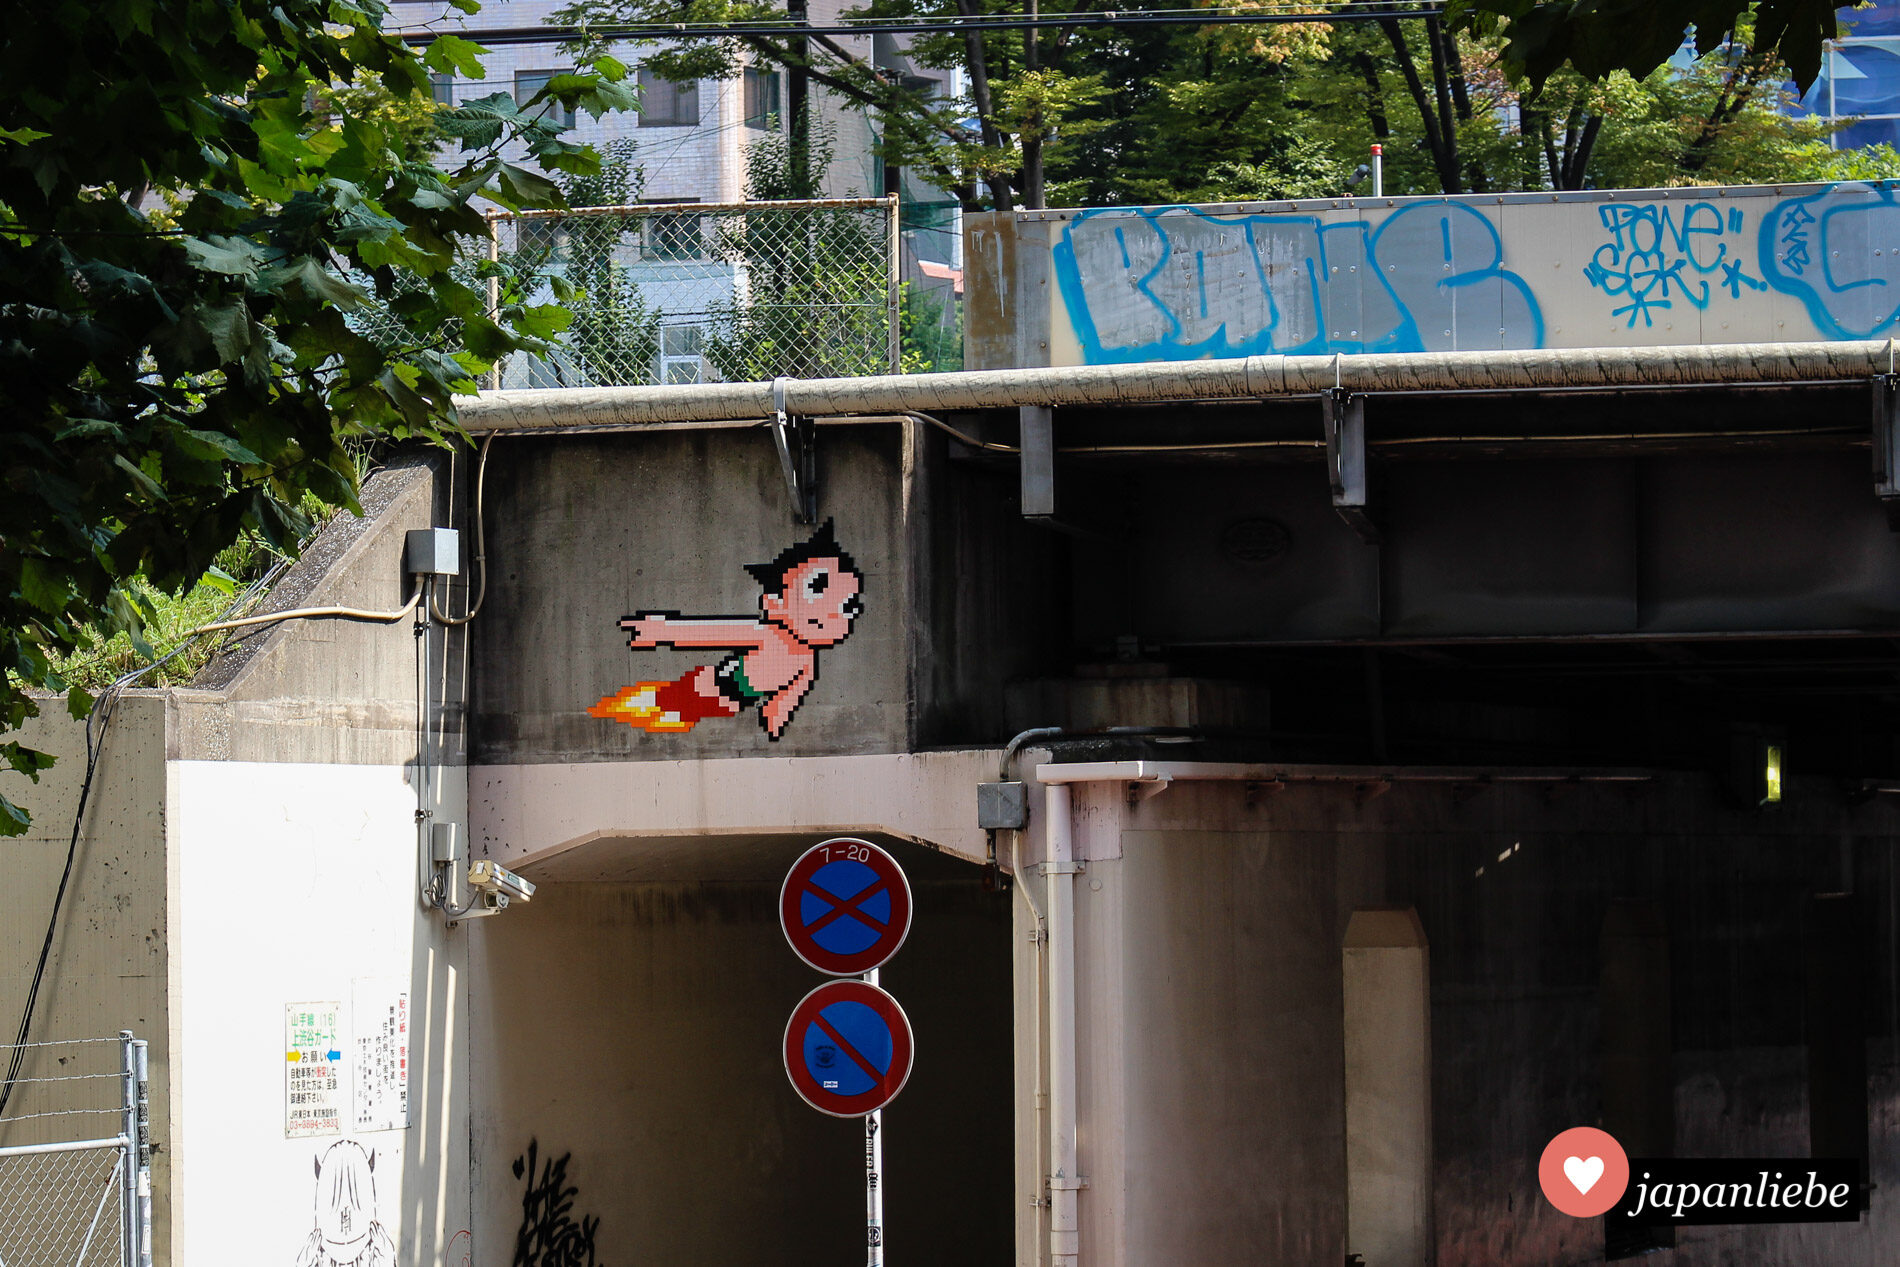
[626, 1081]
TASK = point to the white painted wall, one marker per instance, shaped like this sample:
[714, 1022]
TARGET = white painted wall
[293, 882]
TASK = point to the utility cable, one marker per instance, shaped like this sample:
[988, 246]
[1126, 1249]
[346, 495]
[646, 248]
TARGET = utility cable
[315, 613]
[101, 713]
[481, 548]
[644, 31]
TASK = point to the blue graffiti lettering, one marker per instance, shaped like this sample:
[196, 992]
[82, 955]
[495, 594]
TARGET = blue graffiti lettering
[1838, 252]
[1734, 278]
[1649, 247]
[1179, 283]
[1797, 219]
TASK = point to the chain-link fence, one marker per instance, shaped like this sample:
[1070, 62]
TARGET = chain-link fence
[75, 1183]
[62, 1209]
[689, 293]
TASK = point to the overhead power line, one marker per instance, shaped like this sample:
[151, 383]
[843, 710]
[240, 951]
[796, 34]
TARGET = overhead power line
[925, 26]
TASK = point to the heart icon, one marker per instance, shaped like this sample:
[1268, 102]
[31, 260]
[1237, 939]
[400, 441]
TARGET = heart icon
[1583, 1172]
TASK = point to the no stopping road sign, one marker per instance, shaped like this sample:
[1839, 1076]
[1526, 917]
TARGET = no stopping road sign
[848, 1048]
[845, 906]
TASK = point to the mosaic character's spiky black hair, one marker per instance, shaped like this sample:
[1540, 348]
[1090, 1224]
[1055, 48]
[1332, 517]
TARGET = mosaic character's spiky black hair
[822, 545]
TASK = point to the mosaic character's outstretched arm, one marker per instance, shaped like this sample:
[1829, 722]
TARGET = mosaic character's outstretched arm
[670, 629]
[777, 712]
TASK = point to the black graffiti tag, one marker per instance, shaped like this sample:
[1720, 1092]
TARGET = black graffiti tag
[549, 1235]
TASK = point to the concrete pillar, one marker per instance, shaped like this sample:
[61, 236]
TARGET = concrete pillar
[1387, 991]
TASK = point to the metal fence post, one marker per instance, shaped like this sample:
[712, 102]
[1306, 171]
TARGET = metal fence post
[896, 287]
[494, 289]
[128, 1151]
[143, 1140]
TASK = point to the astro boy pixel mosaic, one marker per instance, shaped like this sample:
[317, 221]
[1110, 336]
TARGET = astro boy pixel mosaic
[813, 592]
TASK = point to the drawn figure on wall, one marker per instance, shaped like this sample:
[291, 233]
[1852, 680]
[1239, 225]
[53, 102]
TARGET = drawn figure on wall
[813, 591]
[347, 1233]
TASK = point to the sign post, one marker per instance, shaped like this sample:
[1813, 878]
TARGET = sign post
[845, 907]
[874, 1173]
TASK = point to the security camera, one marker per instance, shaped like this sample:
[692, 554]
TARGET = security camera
[498, 885]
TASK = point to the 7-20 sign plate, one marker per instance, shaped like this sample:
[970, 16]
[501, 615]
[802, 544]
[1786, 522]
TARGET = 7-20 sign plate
[845, 906]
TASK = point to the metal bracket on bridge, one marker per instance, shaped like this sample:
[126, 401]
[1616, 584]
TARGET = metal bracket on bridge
[1038, 443]
[1886, 436]
[1344, 415]
[797, 442]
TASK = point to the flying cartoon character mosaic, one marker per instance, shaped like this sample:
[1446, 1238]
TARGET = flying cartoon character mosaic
[812, 592]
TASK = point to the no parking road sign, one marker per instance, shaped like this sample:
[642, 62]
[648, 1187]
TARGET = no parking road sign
[848, 1048]
[845, 906]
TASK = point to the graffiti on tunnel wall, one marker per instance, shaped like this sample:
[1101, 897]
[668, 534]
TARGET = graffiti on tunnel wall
[1181, 283]
[1838, 252]
[1419, 275]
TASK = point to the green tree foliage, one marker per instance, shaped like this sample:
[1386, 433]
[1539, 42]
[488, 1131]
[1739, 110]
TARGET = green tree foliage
[1247, 119]
[1497, 95]
[931, 325]
[1600, 37]
[191, 209]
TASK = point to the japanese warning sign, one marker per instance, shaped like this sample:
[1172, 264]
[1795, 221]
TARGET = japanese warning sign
[380, 1034]
[848, 1048]
[313, 1081]
[845, 906]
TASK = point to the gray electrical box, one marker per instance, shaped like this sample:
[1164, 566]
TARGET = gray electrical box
[445, 842]
[1002, 806]
[432, 552]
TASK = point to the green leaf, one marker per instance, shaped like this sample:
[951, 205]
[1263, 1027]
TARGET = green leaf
[78, 703]
[87, 428]
[140, 478]
[231, 257]
[315, 281]
[23, 136]
[228, 326]
[529, 189]
[453, 53]
[13, 820]
[216, 443]
[43, 584]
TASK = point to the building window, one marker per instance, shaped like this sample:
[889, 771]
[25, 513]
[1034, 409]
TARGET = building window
[541, 238]
[761, 98]
[673, 235]
[529, 82]
[442, 88]
[680, 348]
[666, 104]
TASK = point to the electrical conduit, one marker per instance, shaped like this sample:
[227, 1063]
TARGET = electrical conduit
[1064, 1227]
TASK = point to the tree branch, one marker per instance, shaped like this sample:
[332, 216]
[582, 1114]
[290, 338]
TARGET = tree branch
[1375, 96]
[1442, 158]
